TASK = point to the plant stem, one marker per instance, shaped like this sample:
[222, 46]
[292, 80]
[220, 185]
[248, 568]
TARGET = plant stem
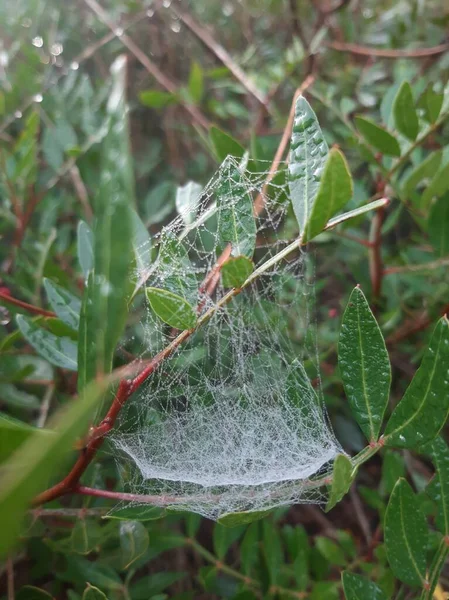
[35, 310]
[435, 569]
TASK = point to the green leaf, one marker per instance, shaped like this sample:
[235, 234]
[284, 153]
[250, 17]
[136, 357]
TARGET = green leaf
[29, 469]
[431, 103]
[424, 408]
[136, 513]
[30, 592]
[224, 537]
[357, 587]
[437, 187]
[438, 226]
[236, 271]
[364, 365]
[308, 154]
[79, 537]
[93, 593]
[236, 222]
[85, 242]
[356, 212]
[64, 303]
[378, 137]
[87, 356]
[171, 308]
[224, 145]
[176, 273]
[392, 469]
[334, 192]
[134, 541]
[14, 397]
[113, 232]
[342, 477]
[438, 488]
[14, 433]
[331, 551]
[156, 98]
[141, 242]
[405, 116]
[406, 535]
[196, 83]
[242, 518]
[424, 170]
[60, 351]
[187, 198]
[146, 587]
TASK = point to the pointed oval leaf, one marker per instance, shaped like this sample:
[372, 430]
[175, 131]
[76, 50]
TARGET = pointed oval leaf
[425, 169]
[437, 187]
[156, 98]
[171, 308]
[136, 513]
[308, 154]
[334, 192]
[141, 242]
[364, 365]
[187, 197]
[438, 488]
[176, 272]
[87, 355]
[93, 593]
[378, 137]
[64, 303]
[342, 477]
[236, 271]
[224, 145]
[405, 116]
[356, 212]
[59, 351]
[357, 587]
[438, 225]
[134, 541]
[236, 222]
[431, 103]
[424, 408]
[406, 535]
[242, 518]
[85, 242]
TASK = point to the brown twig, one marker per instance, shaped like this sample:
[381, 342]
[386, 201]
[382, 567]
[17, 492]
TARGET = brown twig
[428, 266]
[10, 578]
[163, 80]
[81, 192]
[375, 254]
[35, 310]
[414, 325]
[388, 52]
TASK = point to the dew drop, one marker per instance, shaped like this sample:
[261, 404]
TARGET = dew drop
[5, 317]
[74, 65]
[18, 114]
[166, 3]
[227, 9]
[3, 59]
[367, 13]
[56, 49]
[150, 13]
[38, 98]
[27, 22]
[119, 31]
[176, 27]
[37, 41]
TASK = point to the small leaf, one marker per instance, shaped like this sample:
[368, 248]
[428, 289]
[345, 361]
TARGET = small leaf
[236, 271]
[342, 477]
[439, 225]
[357, 587]
[60, 351]
[438, 488]
[405, 116]
[93, 593]
[356, 212]
[141, 242]
[87, 355]
[79, 537]
[308, 154]
[196, 83]
[236, 223]
[424, 170]
[171, 308]
[406, 535]
[331, 551]
[85, 242]
[64, 303]
[177, 274]
[224, 145]
[187, 198]
[136, 513]
[437, 187]
[156, 98]
[223, 538]
[431, 103]
[134, 541]
[364, 365]
[334, 192]
[242, 518]
[378, 137]
[424, 408]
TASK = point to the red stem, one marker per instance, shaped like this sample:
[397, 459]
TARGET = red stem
[28, 307]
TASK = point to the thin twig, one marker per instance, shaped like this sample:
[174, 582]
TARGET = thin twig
[428, 266]
[81, 192]
[414, 325]
[10, 578]
[388, 52]
[375, 254]
[35, 310]
[45, 406]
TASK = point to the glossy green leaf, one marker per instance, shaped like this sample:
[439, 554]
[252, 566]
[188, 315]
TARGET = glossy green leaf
[187, 198]
[156, 98]
[171, 308]
[223, 537]
[13, 433]
[64, 303]
[224, 145]
[438, 225]
[342, 477]
[334, 192]
[113, 228]
[236, 270]
[331, 551]
[393, 467]
[406, 534]
[356, 212]
[308, 155]
[242, 518]
[236, 222]
[87, 356]
[29, 469]
[79, 537]
[141, 242]
[95, 573]
[364, 365]
[424, 170]
[436, 567]
[378, 137]
[438, 488]
[196, 83]
[437, 187]
[424, 408]
[431, 103]
[93, 593]
[404, 111]
[30, 592]
[177, 273]
[59, 351]
[134, 541]
[357, 587]
[85, 244]
[136, 513]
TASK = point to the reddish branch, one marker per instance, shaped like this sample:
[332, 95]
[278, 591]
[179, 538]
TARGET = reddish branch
[388, 52]
[375, 254]
[35, 310]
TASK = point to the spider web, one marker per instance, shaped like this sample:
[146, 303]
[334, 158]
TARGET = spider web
[230, 422]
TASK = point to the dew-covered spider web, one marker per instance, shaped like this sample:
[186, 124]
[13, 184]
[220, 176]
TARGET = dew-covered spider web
[229, 422]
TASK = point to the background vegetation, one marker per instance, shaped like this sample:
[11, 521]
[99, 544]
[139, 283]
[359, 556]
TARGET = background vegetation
[196, 70]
